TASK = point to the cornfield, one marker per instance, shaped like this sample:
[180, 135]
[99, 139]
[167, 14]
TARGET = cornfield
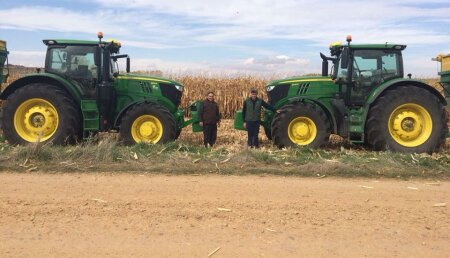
[230, 92]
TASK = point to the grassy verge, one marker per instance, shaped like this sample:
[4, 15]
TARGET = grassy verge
[182, 158]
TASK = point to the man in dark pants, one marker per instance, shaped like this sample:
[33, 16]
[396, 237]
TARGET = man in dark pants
[209, 117]
[251, 112]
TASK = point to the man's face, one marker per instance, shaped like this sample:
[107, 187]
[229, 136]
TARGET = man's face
[210, 97]
[253, 95]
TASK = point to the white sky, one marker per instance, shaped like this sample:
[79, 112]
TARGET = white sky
[254, 36]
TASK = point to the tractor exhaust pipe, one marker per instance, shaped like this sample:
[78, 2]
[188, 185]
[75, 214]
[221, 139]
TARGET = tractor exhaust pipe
[324, 65]
[105, 90]
[324, 68]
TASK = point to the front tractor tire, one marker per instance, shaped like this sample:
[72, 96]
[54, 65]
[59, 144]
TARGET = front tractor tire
[148, 123]
[300, 124]
[268, 132]
[407, 119]
[41, 113]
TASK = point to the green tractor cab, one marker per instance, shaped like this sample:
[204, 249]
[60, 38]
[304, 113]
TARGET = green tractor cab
[445, 78]
[81, 92]
[444, 75]
[3, 60]
[365, 99]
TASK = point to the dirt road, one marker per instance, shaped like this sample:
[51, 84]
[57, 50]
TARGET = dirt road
[182, 216]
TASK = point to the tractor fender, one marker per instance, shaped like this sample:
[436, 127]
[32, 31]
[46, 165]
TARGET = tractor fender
[327, 111]
[127, 107]
[48, 78]
[399, 82]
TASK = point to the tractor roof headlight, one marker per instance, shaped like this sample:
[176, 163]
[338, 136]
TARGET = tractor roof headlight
[179, 87]
[270, 87]
[335, 44]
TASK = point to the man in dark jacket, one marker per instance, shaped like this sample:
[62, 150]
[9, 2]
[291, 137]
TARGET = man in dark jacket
[209, 117]
[251, 112]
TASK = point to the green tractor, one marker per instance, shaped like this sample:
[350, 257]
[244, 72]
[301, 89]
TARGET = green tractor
[444, 74]
[3, 59]
[82, 92]
[366, 100]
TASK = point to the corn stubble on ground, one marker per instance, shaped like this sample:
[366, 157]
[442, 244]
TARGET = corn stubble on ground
[229, 157]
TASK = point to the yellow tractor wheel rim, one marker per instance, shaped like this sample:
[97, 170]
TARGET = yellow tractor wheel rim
[410, 125]
[147, 128]
[36, 120]
[302, 131]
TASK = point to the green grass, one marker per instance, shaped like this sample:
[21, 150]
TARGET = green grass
[181, 158]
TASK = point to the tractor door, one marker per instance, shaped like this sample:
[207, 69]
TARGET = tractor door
[370, 68]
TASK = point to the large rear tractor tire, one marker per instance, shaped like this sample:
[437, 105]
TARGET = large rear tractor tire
[41, 113]
[149, 123]
[300, 124]
[407, 119]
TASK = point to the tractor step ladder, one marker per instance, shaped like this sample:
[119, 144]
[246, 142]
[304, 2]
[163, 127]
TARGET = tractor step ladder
[91, 117]
[356, 130]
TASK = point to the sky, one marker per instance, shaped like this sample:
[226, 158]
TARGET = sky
[264, 37]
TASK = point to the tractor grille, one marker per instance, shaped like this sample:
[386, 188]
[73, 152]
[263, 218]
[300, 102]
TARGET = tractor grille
[169, 91]
[278, 92]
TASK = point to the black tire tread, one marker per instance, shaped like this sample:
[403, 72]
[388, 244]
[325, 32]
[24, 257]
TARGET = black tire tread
[280, 136]
[377, 134]
[268, 132]
[169, 131]
[68, 112]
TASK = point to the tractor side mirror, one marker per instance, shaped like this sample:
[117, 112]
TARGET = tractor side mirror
[344, 58]
[128, 64]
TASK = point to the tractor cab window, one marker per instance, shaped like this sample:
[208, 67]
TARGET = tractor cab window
[74, 62]
[371, 68]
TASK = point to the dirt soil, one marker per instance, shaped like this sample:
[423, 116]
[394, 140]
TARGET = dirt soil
[103, 214]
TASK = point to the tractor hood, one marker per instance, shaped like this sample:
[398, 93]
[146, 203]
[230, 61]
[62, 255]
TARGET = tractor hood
[301, 79]
[141, 77]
